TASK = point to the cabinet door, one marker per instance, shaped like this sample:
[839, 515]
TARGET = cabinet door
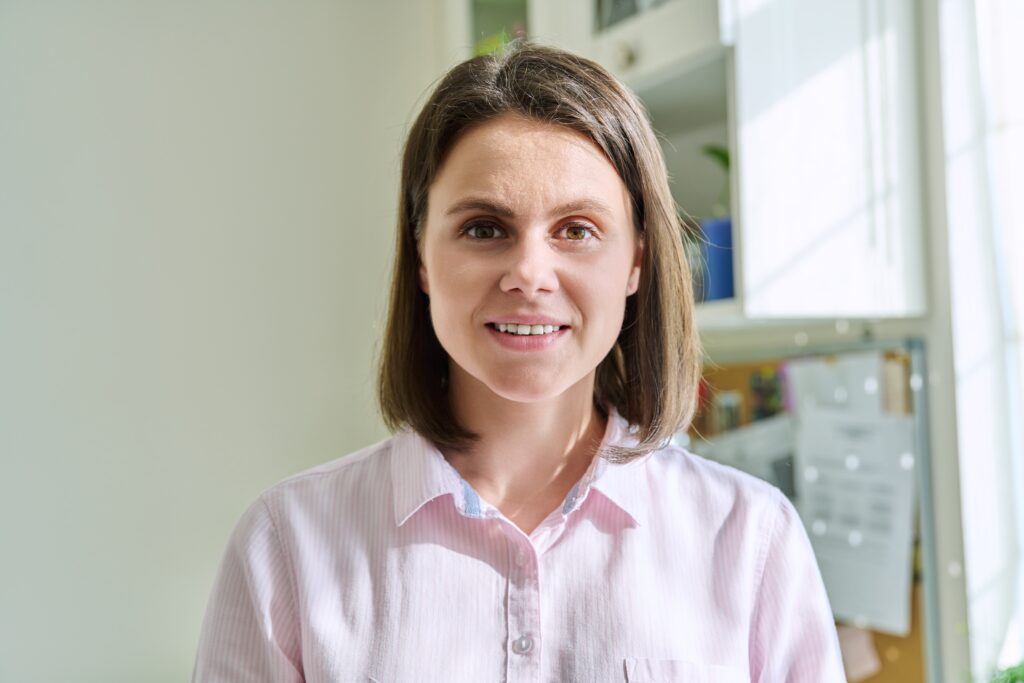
[664, 39]
[655, 39]
[829, 189]
[569, 24]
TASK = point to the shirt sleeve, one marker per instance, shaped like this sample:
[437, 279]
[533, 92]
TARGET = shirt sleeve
[793, 634]
[251, 628]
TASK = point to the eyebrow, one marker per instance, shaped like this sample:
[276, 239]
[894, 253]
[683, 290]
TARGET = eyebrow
[585, 205]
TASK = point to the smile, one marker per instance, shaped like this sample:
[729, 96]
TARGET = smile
[525, 330]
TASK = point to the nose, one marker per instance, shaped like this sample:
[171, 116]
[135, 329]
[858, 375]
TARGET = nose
[531, 268]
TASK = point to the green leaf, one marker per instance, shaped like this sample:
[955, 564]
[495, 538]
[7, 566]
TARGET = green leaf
[491, 44]
[1014, 675]
[719, 153]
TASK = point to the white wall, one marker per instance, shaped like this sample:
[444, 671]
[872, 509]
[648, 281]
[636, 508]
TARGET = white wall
[197, 204]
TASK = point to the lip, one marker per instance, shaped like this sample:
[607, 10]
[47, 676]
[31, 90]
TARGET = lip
[531, 342]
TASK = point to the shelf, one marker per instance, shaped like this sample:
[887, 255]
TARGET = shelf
[723, 314]
[688, 95]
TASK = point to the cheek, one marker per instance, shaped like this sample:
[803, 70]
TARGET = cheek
[456, 291]
[437, 270]
[457, 279]
[601, 300]
[605, 282]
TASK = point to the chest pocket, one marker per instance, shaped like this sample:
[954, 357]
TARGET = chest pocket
[680, 671]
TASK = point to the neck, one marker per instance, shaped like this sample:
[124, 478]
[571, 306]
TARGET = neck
[528, 455]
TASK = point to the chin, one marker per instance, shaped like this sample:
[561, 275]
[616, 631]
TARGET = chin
[527, 389]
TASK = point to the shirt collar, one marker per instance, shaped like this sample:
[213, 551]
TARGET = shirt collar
[621, 484]
[420, 473]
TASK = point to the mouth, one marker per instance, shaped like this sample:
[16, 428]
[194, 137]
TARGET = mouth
[527, 338]
[518, 330]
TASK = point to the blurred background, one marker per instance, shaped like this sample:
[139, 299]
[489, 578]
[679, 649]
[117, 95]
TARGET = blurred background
[197, 206]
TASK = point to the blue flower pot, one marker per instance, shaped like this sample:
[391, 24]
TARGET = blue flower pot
[717, 251]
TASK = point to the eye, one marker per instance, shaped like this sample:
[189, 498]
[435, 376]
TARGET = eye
[482, 231]
[578, 232]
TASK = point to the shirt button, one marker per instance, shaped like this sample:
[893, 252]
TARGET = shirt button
[522, 645]
[520, 558]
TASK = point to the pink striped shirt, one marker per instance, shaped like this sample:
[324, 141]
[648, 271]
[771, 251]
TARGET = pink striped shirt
[386, 565]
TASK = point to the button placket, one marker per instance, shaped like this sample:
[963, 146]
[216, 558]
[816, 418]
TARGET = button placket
[523, 609]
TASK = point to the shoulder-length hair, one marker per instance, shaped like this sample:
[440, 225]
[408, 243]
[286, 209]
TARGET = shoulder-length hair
[651, 374]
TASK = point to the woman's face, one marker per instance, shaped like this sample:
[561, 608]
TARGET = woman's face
[529, 229]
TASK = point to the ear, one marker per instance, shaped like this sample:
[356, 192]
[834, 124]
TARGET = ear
[423, 280]
[633, 283]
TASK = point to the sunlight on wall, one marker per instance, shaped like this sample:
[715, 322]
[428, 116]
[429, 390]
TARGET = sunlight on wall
[828, 110]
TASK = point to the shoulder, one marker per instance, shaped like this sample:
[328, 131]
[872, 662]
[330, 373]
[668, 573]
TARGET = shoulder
[364, 462]
[737, 506]
[724, 521]
[676, 471]
[358, 480]
[705, 502]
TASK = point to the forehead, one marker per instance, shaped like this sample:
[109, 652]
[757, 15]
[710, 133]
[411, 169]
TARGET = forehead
[528, 163]
[525, 138]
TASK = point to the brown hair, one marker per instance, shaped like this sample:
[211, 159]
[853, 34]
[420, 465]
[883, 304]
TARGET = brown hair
[651, 374]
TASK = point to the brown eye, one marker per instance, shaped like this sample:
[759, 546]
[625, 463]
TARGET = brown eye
[578, 233]
[483, 231]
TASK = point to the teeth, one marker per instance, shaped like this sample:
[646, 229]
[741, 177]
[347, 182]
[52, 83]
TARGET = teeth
[525, 330]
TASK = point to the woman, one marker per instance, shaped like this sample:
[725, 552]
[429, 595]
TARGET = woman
[527, 521]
